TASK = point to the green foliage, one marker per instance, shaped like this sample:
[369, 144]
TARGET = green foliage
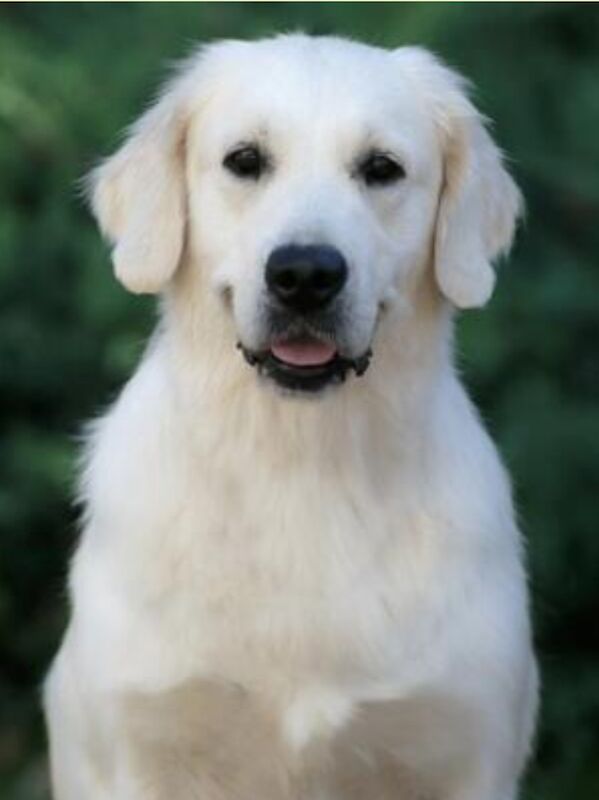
[71, 77]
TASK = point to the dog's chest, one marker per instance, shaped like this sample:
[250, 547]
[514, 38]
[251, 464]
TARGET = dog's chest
[285, 581]
[292, 582]
[298, 582]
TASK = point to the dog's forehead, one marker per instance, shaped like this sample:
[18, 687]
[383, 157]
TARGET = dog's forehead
[298, 82]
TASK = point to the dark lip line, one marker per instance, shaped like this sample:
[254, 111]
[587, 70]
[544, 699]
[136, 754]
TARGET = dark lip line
[338, 363]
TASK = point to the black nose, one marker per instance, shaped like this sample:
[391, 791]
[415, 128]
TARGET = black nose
[307, 277]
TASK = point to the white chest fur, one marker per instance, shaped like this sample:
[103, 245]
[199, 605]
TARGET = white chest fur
[303, 570]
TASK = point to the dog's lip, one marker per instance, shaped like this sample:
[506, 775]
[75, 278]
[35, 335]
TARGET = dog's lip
[305, 352]
[308, 377]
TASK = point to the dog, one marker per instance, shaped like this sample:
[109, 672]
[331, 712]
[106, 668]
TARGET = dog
[300, 576]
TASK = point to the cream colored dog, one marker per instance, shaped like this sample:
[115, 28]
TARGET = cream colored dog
[300, 577]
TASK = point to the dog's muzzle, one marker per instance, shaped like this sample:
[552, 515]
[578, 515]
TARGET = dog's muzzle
[302, 284]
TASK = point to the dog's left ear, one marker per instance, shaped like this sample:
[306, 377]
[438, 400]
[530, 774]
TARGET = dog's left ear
[479, 202]
[138, 196]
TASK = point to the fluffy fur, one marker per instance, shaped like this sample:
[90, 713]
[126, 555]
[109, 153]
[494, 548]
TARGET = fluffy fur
[276, 597]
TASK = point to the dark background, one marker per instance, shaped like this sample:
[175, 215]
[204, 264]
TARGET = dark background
[71, 77]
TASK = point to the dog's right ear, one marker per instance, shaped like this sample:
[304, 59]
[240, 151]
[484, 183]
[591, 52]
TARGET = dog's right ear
[138, 196]
[479, 203]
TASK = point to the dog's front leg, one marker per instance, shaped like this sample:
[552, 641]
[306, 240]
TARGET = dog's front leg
[482, 782]
[202, 740]
[490, 768]
[77, 723]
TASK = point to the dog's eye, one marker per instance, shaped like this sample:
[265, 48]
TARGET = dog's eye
[380, 170]
[246, 162]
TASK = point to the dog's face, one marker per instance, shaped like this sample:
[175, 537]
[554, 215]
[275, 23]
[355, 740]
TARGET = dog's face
[314, 181]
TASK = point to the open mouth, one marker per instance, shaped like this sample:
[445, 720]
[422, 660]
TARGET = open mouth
[305, 364]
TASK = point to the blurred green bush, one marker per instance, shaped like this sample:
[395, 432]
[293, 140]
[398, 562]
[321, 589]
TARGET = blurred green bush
[71, 76]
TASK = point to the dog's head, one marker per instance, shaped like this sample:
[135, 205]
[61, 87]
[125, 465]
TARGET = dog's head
[311, 183]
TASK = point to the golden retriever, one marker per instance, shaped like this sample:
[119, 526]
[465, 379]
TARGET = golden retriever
[300, 574]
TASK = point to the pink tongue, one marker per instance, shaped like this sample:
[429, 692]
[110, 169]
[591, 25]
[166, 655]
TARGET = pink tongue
[304, 354]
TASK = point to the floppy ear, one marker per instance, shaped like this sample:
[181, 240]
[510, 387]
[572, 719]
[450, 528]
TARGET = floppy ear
[479, 202]
[138, 197]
